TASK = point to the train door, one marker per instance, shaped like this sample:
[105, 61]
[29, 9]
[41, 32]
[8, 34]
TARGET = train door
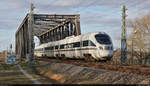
[67, 51]
[55, 49]
[58, 50]
[52, 51]
[76, 51]
[81, 45]
[44, 54]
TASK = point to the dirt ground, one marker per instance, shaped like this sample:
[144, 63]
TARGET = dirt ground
[129, 68]
[71, 74]
[141, 69]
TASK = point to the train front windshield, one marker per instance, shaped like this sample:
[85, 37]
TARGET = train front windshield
[103, 39]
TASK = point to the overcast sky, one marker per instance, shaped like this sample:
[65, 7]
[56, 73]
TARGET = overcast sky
[95, 15]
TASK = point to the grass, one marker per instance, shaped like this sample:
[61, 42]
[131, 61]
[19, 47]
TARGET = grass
[12, 75]
[15, 79]
[8, 67]
[1, 67]
[26, 64]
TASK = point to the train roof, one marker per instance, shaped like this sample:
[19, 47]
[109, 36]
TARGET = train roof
[63, 40]
[89, 33]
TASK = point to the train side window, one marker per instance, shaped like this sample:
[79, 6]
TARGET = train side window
[39, 49]
[76, 44]
[56, 47]
[85, 43]
[65, 46]
[91, 43]
[88, 43]
[61, 46]
[46, 48]
[51, 48]
[70, 45]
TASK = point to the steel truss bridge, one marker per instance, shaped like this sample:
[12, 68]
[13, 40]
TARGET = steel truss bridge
[47, 27]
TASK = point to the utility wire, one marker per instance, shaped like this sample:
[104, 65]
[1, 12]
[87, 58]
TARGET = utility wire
[136, 4]
[128, 6]
[89, 5]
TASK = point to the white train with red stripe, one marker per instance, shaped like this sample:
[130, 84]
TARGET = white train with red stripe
[93, 46]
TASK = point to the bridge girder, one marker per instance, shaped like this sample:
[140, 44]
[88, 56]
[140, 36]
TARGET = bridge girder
[47, 28]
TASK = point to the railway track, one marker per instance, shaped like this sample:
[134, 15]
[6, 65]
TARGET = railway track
[132, 68]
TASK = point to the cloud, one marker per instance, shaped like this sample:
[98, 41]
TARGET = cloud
[111, 22]
[94, 13]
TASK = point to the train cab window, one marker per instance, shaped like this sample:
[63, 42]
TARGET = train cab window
[103, 39]
[76, 44]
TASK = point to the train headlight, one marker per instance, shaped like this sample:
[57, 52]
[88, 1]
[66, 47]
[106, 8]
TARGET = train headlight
[101, 48]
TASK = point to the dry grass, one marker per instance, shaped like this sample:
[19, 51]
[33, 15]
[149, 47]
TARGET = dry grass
[13, 77]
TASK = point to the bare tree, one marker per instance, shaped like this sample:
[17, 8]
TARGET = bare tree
[139, 40]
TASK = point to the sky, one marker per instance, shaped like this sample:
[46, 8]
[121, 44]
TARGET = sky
[95, 15]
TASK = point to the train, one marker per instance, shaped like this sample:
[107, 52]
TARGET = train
[93, 46]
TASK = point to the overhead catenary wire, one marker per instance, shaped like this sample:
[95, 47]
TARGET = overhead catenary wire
[114, 11]
[91, 4]
[136, 4]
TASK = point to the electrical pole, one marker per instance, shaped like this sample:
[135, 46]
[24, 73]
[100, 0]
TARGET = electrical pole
[31, 36]
[123, 36]
[132, 52]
